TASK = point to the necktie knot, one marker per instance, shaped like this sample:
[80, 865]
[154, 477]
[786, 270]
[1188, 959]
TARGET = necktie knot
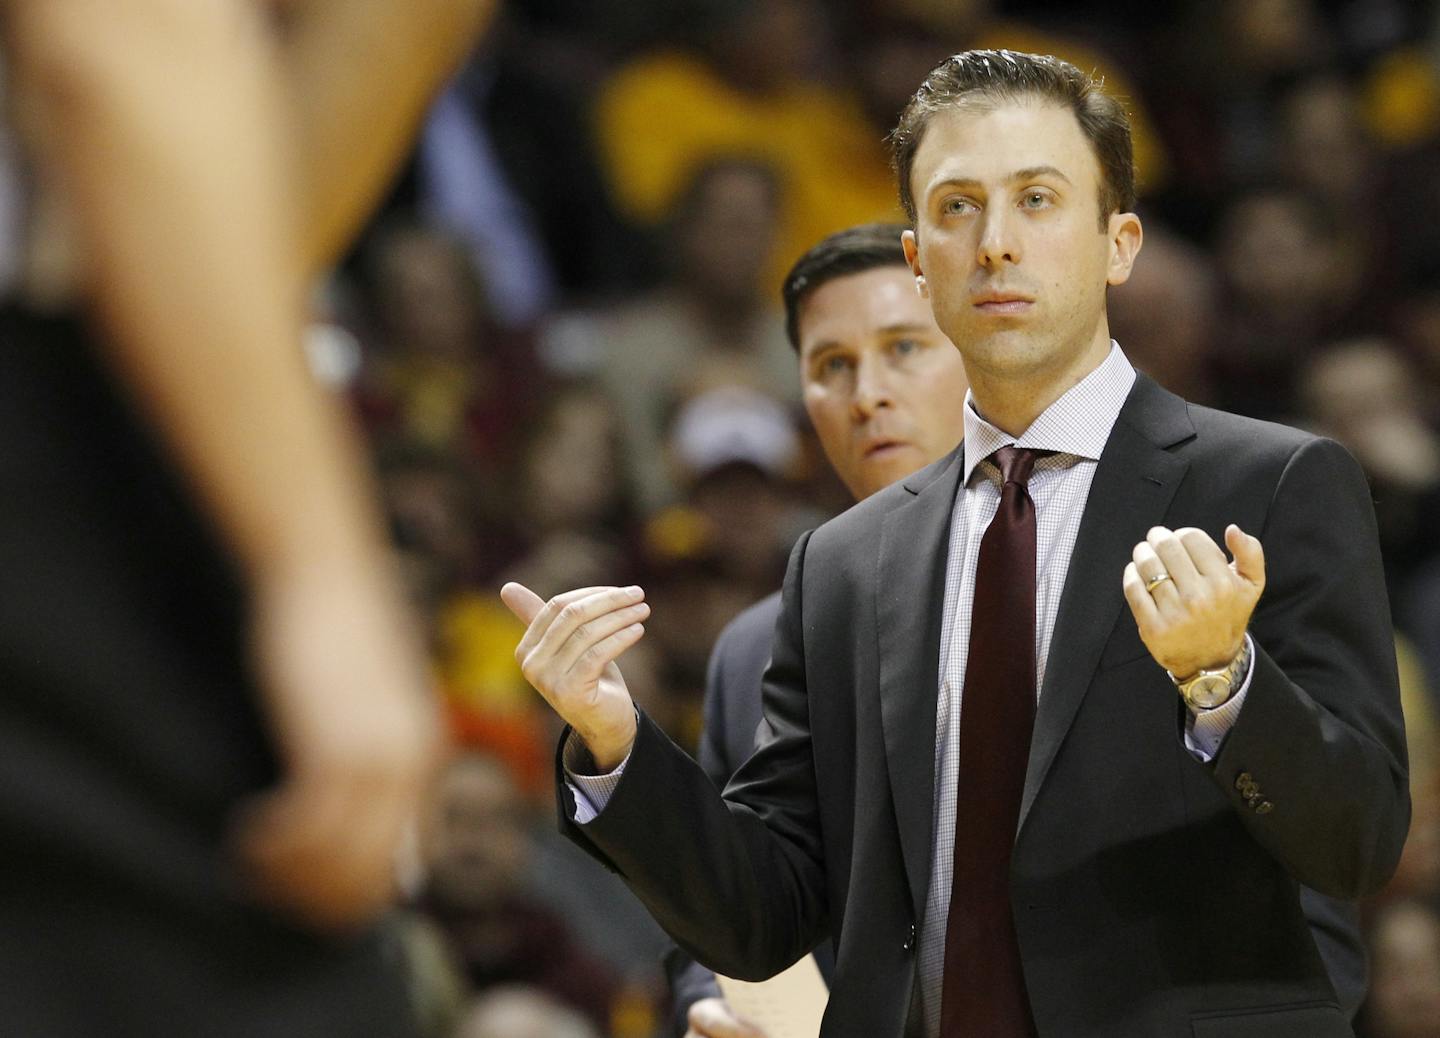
[1016, 463]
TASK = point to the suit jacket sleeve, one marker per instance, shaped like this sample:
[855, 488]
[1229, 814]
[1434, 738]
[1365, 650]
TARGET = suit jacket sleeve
[739, 881]
[1321, 736]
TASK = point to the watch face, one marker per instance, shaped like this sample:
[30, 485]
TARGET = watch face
[1207, 691]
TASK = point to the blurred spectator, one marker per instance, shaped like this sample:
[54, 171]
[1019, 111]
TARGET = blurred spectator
[509, 162]
[430, 501]
[1289, 280]
[1417, 326]
[559, 516]
[1362, 393]
[713, 322]
[464, 188]
[736, 450]
[477, 853]
[745, 86]
[437, 372]
[1164, 317]
[736, 453]
[519, 1012]
[893, 45]
[1405, 979]
[1324, 148]
[1419, 616]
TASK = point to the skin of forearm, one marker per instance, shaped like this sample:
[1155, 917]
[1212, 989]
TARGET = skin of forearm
[359, 75]
[160, 119]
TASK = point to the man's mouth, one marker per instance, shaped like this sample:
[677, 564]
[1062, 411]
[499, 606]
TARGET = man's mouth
[1003, 303]
[883, 448]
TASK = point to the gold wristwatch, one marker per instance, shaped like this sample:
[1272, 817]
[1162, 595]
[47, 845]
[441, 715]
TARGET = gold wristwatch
[1208, 689]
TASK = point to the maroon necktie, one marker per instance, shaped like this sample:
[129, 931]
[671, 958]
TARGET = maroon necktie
[984, 988]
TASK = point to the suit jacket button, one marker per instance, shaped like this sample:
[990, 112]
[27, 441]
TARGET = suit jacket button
[1243, 782]
[1264, 807]
[910, 940]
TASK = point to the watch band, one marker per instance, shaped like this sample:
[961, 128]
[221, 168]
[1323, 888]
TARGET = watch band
[1212, 682]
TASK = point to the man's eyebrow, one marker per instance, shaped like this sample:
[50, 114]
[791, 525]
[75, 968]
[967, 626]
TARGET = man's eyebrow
[903, 326]
[819, 347]
[1028, 173]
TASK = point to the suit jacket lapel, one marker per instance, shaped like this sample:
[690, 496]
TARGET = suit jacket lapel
[910, 591]
[1134, 483]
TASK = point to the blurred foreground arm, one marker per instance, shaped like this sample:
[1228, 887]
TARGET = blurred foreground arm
[160, 123]
[360, 75]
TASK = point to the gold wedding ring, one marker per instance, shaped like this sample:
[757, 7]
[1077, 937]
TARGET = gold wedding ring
[1156, 580]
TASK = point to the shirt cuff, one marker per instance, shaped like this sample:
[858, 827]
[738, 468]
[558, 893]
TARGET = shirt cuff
[591, 792]
[1205, 730]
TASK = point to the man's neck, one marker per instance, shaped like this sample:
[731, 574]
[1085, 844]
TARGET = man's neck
[1012, 404]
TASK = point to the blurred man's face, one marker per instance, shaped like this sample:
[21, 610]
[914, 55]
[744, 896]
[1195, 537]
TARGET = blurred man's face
[476, 847]
[1010, 242]
[727, 240]
[883, 387]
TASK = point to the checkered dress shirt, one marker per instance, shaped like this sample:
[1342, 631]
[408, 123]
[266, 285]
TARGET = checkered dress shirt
[1076, 427]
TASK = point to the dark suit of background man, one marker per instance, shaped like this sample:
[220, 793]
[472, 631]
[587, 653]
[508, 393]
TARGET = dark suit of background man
[1031, 833]
[879, 383]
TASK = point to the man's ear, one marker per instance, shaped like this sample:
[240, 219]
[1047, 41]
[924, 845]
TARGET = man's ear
[1126, 237]
[911, 245]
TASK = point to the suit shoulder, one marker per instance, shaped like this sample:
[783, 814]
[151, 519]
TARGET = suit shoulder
[861, 522]
[1237, 438]
[1231, 450]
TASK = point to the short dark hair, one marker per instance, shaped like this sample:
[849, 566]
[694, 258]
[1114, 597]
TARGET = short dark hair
[1004, 75]
[851, 251]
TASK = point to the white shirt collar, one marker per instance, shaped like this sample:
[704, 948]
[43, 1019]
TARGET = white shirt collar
[1078, 423]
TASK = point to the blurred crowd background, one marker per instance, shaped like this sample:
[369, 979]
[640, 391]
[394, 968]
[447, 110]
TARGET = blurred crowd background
[563, 338]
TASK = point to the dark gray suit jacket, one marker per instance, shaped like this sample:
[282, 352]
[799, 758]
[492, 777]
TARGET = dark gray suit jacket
[732, 721]
[1152, 896]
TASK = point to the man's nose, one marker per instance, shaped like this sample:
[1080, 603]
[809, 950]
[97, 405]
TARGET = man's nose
[872, 387]
[998, 239]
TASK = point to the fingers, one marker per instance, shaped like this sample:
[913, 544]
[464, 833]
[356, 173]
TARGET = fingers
[1209, 560]
[572, 623]
[590, 642]
[712, 1018]
[591, 663]
[521, 601]
[1248, 553]
[540, 620]
[1148, 565]
[1142, 605]
[1191, 604]
[1172, 558]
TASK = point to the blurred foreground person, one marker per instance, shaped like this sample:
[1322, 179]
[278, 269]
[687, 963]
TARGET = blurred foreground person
[213, 728]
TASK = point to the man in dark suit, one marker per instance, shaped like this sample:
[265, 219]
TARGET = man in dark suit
[852, 294]
[1016, 806]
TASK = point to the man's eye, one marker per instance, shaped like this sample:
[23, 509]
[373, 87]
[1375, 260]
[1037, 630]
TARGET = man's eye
[957, 205]
[905, 346]
[1036, 200]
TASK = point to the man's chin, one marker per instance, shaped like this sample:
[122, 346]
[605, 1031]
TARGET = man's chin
[889, 465]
